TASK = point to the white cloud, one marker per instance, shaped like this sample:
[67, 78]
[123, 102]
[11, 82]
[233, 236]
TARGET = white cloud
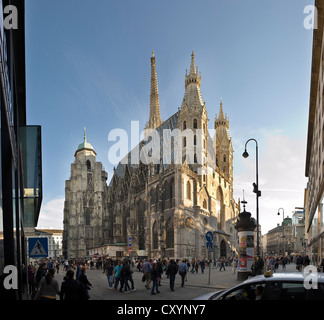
[281, 178]
[51, 215]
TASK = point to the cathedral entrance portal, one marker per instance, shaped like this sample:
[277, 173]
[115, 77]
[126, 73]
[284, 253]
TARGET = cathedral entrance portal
[223, 248]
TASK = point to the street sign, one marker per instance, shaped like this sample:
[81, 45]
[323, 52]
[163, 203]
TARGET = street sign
[209, 236]
[209, 242]
[209, 246]
[38, 247]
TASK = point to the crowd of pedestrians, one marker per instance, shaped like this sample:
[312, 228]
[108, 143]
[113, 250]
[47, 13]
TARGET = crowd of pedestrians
[42, 284]
[76, 286]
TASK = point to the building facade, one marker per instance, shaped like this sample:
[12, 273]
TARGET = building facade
[314, 171]
[20, 152]
[181, 188]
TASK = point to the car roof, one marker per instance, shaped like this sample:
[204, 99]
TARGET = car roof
[284, 276]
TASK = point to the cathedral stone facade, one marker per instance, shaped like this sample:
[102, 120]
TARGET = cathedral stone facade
[169, 200]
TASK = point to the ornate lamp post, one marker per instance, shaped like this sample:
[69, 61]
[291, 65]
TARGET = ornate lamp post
[255, 190]
[283, 228]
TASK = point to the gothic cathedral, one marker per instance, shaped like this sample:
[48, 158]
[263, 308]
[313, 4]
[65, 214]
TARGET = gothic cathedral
[167, 205]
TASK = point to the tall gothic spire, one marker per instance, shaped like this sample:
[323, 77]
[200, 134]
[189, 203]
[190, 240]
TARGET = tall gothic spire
[193, 69]
[155, 117]
[193, 76]
[221, 120]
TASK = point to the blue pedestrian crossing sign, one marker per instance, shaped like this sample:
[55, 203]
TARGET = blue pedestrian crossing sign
[38, 247]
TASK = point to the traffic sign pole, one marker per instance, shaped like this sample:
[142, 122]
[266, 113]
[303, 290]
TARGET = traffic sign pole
[209, 245]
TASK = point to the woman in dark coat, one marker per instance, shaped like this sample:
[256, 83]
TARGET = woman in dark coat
[86, 285]
[71, 289]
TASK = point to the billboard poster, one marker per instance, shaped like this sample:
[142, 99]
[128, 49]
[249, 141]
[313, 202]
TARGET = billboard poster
[246, 250]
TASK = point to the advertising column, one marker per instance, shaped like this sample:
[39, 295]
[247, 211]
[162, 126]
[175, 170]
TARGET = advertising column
[245, 226]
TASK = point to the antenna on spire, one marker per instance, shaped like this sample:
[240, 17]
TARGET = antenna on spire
[244, 202]
[85, 134]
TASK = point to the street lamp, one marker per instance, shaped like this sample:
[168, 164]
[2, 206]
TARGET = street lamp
[283, 228]
[255, 189]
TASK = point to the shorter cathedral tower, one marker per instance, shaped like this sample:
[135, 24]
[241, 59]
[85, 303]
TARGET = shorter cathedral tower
[84, 205]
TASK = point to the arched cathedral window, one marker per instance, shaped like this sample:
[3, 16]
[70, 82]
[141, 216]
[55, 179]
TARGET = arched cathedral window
[188, 187]
[88, 166]
[195, 124]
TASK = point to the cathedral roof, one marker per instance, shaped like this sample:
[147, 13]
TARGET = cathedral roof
[171, 123]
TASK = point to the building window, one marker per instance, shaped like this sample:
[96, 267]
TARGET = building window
[88, 165]
[188, 190]
[141, 225]
[184, 142]
[195, 124]
[155, 236]
[195, 140]
[87, 219]
[184, 125]
[169, 233]
[205, 204]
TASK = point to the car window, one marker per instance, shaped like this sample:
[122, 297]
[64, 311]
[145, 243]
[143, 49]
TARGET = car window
[316, 294]
[245, 292]
[284, 290]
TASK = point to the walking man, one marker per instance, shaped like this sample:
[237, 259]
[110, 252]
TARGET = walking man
[147, 272]
[172, 271]
[183, 271]
[222, 264]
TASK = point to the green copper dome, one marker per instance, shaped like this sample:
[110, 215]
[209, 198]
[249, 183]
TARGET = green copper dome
[85, 144]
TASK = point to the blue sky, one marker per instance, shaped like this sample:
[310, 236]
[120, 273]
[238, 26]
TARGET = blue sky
[88, 64]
